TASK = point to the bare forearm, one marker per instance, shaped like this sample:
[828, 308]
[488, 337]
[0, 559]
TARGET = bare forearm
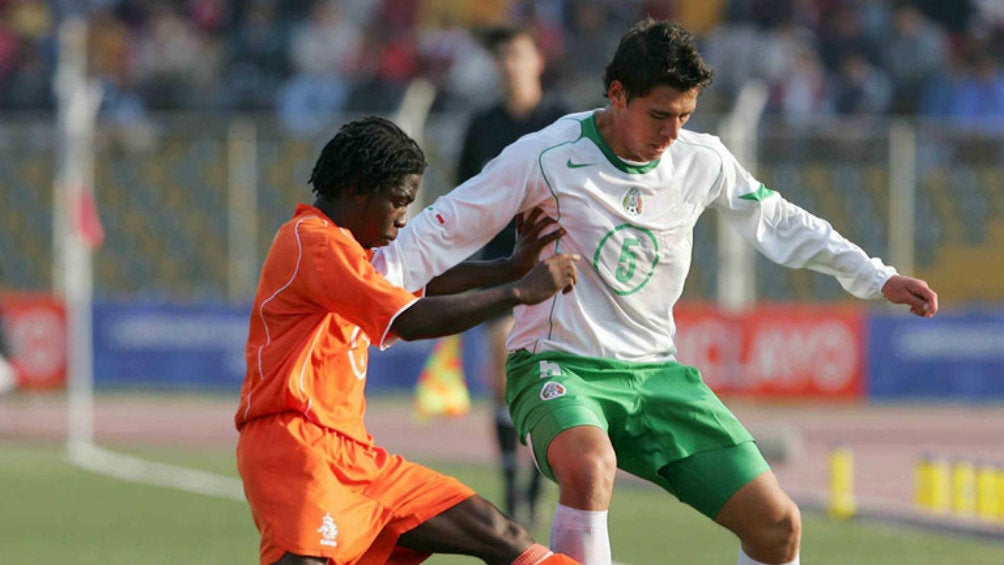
[437, 316]
[470, 275]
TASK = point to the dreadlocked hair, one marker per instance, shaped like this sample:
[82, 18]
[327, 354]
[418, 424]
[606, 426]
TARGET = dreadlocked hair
[365, 157]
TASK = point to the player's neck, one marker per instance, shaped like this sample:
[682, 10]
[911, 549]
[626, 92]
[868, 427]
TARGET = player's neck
[605, 126]
[334, 212]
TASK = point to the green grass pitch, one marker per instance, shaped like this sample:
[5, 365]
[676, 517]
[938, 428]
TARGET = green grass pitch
[54, 513]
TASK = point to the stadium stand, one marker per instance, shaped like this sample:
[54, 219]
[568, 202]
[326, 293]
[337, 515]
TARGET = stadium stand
[162, 179]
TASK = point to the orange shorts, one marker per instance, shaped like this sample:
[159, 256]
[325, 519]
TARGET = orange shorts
[318, 493]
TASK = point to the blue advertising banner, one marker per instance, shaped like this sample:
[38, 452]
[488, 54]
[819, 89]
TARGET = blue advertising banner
[169, 346]
[953, 356]
[201, 347]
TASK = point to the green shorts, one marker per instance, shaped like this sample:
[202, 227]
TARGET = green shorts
[665, 424]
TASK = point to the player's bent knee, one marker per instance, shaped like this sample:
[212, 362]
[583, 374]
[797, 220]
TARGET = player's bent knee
[589, 469]
[778, 540]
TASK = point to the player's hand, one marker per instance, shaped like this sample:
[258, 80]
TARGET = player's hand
[547, 278]
[922, 300]
[530, 242]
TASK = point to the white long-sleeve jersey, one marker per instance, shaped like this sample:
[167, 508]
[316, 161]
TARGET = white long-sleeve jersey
[631, 224]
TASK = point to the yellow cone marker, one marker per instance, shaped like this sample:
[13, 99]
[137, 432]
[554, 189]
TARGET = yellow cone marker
[963, 488]
[1000, 493]
[941, 485]
[842, 503]
[924, 483]
[986, 491]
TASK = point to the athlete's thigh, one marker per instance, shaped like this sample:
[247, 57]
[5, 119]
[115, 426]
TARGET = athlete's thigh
[306, 489]
[410, 496]
[471, 527]
[709, 479]
[548, 395]
[675, 415]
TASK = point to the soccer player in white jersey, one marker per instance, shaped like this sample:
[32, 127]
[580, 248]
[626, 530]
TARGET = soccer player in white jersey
[593, 382]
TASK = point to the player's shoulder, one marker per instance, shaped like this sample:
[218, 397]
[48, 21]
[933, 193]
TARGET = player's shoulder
[566, 128]
[699, 142]
[702, 150]
[307, 221]
[310, 226]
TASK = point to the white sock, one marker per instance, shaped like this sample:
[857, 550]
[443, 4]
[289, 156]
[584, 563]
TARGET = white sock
[581, 535]
[747, 560]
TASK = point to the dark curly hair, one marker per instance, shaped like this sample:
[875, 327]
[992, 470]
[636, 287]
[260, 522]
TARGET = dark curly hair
[654, 53]
[366, 156]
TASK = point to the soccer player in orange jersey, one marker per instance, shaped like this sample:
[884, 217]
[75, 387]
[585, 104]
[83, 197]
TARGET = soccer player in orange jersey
[320, 490]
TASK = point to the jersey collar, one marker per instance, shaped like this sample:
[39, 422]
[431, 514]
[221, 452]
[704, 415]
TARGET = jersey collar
[590, 131]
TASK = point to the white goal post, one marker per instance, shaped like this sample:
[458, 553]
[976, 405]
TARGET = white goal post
[78, 101]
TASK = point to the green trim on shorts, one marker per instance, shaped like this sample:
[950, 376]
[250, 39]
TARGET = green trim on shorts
[654, 413]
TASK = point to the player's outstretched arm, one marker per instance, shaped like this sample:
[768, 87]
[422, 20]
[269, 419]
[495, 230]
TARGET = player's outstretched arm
[900, 289]
[437, 316]
[531, 240]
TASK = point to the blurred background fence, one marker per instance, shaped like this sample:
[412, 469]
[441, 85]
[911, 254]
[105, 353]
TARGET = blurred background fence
[167, 204]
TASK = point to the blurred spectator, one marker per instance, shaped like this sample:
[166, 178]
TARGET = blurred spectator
[167, 56]
[391, 62]
[325, 49]
[327, 42]
[209, 16]
[731, 50]
[860, 88]
[915, 54]
[258, 62]
[699, 17]
[305, 59]
[801, 92]
[111, 62]
[588, 47]
[30, 89]
[953, 15]
[981, 94]
[446, 14]
[843, 34]
[793, 70]
[456, 65]
[10, 47]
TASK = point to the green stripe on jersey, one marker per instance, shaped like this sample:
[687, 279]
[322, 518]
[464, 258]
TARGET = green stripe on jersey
[759, 195]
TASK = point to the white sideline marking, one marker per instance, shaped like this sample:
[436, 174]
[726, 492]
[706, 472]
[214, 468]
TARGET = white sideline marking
[135, 469]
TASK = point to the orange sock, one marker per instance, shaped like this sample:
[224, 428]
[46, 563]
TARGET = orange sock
[559, 559]
[537, 554]
[533, 555]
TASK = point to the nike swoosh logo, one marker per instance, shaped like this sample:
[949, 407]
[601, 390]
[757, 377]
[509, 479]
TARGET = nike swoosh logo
[572, 165]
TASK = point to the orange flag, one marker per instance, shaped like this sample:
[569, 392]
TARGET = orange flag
[441, 389]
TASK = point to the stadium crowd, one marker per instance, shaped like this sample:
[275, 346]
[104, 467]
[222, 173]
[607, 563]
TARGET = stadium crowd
[312, 59]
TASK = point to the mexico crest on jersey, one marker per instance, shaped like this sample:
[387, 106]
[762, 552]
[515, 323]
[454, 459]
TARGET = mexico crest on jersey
[632, 201]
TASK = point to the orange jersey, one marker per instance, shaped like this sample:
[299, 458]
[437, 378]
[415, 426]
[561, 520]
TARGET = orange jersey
[318, 307]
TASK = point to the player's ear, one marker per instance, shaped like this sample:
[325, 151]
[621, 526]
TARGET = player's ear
[617, 94]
